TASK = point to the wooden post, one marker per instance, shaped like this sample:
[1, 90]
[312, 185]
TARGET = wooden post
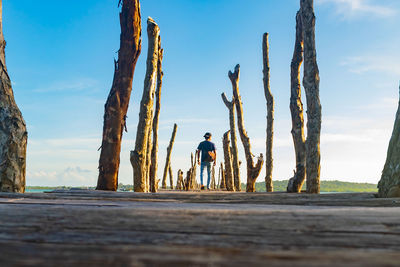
[228, 163]
[117, 103]
[234, 150]
[389, 185]
[222, 185]
[213, 184]
[171, 177]
[13, 134]
[140, 154]
[296, 110]
[154, 151]
[168, 158]
[179, 182]
[253, 171]
[311, 86]
[270, 116]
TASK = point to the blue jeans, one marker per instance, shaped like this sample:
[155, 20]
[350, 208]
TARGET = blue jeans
[203, 165]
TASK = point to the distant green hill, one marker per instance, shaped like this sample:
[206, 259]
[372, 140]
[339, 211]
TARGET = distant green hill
[326, 186]
[279, 186]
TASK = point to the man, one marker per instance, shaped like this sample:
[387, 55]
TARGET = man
[208, 156]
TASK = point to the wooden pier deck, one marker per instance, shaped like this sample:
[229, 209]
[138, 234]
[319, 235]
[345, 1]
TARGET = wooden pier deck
[88, 228]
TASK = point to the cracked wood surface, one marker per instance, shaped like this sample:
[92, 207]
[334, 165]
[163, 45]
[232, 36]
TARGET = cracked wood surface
[199, 229]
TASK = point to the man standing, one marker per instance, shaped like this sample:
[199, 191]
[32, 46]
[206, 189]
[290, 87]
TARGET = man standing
[208, 155]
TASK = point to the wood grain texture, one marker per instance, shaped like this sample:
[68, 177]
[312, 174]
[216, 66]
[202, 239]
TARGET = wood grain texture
[296, 110]
[311, 82]
[168, 157]
[117, 103]
[73, 228]
[253, 170]
[234, 149]
[269, 161]
[13, 133]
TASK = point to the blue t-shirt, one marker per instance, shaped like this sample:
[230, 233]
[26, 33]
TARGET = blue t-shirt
[205, 147]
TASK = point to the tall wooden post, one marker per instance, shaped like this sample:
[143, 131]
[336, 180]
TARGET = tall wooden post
[117, 103]
[13, 134]
[168, 158]
[253, 170]
[234, 149]
[154, 151]
[139, 156]
[228, 163]
[389, 185]
[296, 110]
[311, 86]
[270, 116]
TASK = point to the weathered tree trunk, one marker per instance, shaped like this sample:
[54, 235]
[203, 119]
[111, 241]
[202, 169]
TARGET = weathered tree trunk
[222, 185]
[154, 151]
[228, 163]
[234, 149]
[117, 103]
[188, 179]
[168, 158]
[13, 134]
[389, 185]
[140, 154]
[213, 184]
[270, 116]
[253, 171]
[296, 110]
[311, 87]
[179, 182]
[171, 177]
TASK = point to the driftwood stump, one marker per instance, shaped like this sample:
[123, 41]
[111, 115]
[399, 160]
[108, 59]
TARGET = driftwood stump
[168, 158]
[222, 184]
[311, 86]
[253, 171]
[154, 151]
[140, 155]
[171, 177]
[270, 116]
[228, 163]
[296, 110]
[179, 183]
[234, 150]
[213, 184]
[13, 134]
[389, 185]
[117, 103]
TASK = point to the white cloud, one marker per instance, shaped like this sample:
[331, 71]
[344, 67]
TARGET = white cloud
[71, 176]
[351, 8]
[382, 63]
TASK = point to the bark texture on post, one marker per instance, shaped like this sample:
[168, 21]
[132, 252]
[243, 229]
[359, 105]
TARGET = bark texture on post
[311, 87]
[389, 185]
[222, 184]
[171, 177]
[13, 134]
[253, 171]
[140, 155]
[168, 158]
[179, 182]
[117, 103]
[154, 151]
[270, 116]
[234, 149]
[296, 110]
[213, 183]
[228, 163]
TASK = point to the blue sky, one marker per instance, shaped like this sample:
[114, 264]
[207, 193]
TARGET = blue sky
[60, 58]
